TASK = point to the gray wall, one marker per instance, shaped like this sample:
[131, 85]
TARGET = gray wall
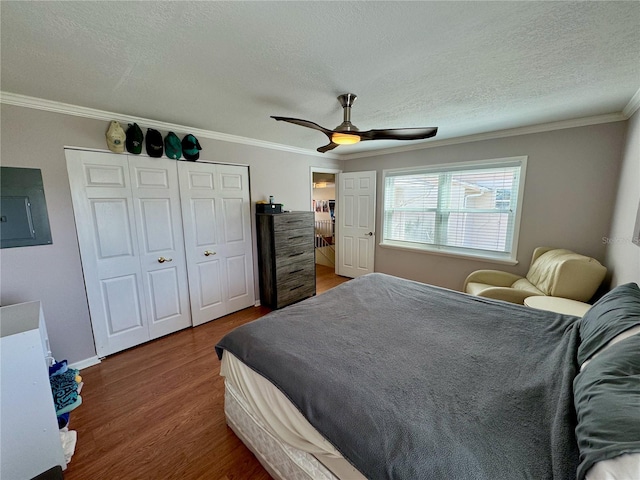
[623, 256]
[53, 273]
[570, 191]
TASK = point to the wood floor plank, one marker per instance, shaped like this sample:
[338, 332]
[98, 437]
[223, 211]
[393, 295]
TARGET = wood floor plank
[156, 411]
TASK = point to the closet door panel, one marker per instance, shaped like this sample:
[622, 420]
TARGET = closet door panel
[236, 225]
[157, 225]
[121, 300]
[215, 210]
[237, 278]
[204, 221]
[155, 192]
[202, 239]
[164, 290]
[107, 237]
[233, 220]
[210, 280]
[111, 225]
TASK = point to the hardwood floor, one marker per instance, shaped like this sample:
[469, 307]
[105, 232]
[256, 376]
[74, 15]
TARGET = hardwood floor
[156, 411]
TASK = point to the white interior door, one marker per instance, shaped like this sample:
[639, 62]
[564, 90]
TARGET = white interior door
[355, 223]
[217, 233]
[154, 185]
[108, 241]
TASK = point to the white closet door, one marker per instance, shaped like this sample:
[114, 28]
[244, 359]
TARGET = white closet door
[236, 226]
[154, 184]
[105, 222]
[217, 233]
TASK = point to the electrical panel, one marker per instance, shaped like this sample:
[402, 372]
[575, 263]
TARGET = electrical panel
[23, 208]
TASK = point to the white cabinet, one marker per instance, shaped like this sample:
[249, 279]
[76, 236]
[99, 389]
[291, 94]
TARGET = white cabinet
[129, 218]
[29, 436]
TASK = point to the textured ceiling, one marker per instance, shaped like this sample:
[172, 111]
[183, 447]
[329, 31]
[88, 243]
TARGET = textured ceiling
[466, 67]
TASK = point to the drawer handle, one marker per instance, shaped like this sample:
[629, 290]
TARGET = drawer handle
[295, 288]
[296, 271]
[297, 236]
[296, 254]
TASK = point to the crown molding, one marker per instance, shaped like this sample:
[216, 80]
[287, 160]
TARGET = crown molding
[95, 114]
[511, 132]
[78, 111]
[632, 106]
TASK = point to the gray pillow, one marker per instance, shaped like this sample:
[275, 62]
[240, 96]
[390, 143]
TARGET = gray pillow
[607, 400]
[615, 312]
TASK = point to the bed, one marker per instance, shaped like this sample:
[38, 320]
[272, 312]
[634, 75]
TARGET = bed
[386, 378]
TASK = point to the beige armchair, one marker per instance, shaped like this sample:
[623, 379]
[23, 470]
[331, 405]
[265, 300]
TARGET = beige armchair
[553, 272]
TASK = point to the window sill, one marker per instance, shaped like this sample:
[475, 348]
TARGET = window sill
[444, 253]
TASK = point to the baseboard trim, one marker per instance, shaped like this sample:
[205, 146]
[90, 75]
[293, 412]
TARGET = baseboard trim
[87, 362]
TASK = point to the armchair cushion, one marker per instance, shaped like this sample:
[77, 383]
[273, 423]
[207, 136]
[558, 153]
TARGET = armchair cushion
[528, 287]
[493, 277]
[563, 273]
[506, 294]
[554, 272]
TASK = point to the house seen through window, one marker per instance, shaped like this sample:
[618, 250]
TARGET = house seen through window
[468, 209]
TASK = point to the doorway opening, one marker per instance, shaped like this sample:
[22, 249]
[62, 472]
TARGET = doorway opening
[323, 203]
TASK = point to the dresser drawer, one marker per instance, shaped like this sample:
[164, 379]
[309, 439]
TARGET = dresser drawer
[302, 259]
[284, 251]
[291, 292]
[294, 237]
[290, 221]
[301, 266]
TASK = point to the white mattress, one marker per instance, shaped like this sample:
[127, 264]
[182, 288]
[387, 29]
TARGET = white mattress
[290, 448]
[256, 408]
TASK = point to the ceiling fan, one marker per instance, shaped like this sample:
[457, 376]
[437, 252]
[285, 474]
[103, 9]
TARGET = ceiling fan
[347, 133]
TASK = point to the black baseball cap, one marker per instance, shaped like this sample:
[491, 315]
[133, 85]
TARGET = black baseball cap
[154, 143]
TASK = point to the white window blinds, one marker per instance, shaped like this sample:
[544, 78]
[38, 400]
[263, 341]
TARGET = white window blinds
[464, 207]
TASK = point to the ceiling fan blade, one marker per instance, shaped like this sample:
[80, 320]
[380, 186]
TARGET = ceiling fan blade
[304, 123]
[326, 148]
[399, 134]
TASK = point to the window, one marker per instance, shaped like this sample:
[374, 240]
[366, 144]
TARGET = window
[470, 209]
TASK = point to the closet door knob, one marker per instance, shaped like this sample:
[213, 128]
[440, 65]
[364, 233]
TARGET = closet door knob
[162, 260]
[207, 253]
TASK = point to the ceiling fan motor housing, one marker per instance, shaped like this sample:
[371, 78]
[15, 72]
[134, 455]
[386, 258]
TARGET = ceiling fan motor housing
[347, 100]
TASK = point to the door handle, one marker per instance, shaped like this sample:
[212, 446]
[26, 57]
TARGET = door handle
[207, 253]
[162, 260]
[370, 234]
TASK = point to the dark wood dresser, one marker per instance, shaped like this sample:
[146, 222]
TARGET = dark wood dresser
[286, 257]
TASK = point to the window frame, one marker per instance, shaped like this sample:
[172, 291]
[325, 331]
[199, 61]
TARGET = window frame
[508, 258]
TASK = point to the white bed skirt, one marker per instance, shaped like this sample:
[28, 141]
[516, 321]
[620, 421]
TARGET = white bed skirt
[280, 460]
[282, 439]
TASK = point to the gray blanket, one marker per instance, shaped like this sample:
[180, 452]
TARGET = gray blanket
[410, 381]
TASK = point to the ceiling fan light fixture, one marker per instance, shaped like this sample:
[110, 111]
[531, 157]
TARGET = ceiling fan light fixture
[347, 133]
[344, 138]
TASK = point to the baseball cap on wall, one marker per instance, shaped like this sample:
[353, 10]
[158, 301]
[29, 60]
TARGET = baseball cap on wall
[172, 146]
[191, 147]
[134, 139]
[115, 137]
[154, 143]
